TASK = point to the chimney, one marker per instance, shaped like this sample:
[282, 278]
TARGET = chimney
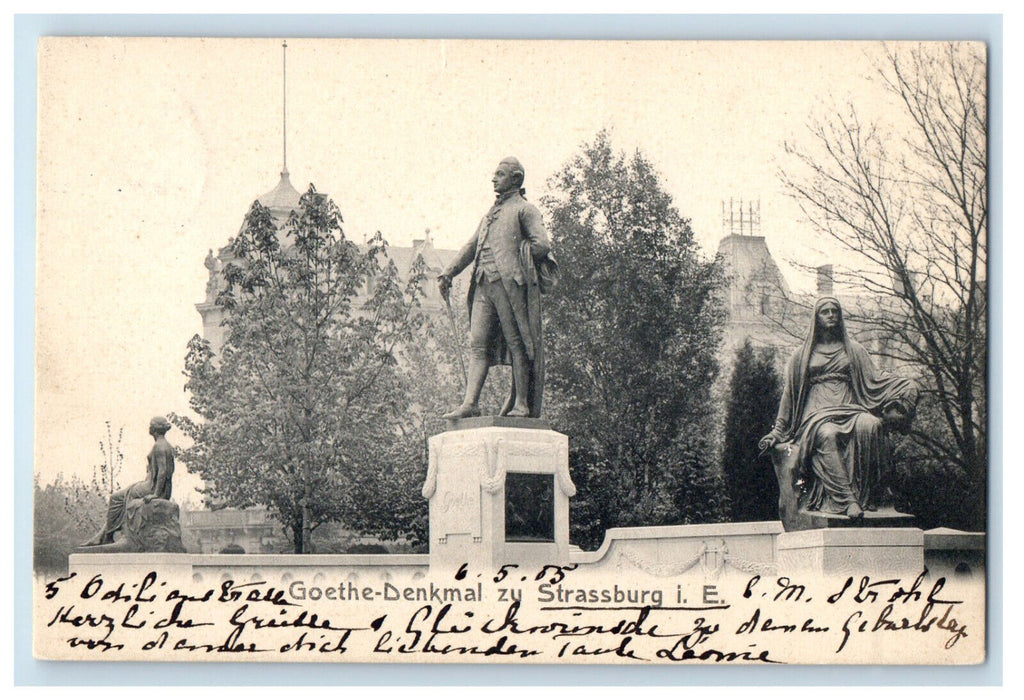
[421, 243]
[825, 280]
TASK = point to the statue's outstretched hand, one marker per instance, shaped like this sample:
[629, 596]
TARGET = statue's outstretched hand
[444, 284]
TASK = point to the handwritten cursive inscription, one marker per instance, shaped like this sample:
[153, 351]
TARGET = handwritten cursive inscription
[550, 614]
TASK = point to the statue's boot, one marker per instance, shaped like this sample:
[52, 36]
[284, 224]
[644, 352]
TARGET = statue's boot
[470, 404]
[521, 377]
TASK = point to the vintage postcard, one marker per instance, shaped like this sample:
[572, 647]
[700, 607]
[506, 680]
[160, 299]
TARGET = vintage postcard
[531, 352]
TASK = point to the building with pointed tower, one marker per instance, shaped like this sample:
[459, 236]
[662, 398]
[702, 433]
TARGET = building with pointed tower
[282, 201]
[254, 530]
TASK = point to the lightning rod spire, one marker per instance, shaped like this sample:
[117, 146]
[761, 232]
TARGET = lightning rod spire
[284, 105]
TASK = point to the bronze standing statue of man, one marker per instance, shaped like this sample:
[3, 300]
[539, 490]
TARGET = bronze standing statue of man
[510, 253]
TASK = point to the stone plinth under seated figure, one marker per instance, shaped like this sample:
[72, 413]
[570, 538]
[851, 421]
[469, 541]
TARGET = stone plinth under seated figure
[152, 525]
[885, 516]
[851, 551]
[498, 495]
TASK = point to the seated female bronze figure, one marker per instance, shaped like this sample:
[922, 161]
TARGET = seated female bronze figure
[831, 443]
[159, 469]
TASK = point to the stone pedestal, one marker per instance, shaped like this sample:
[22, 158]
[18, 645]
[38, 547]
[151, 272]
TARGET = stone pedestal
[886, 517]
[470, 467]
[955, 554]
[852, 551]
[149, 526]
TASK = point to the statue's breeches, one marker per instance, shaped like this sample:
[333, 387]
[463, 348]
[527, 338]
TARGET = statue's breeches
[494, 316]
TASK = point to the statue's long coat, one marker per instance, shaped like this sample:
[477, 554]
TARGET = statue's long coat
[514, 231]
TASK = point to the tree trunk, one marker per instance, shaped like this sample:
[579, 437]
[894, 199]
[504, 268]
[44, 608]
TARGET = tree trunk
[306, 544]
[296, 528]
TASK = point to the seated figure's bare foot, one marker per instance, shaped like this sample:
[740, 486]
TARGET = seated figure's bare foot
[96, 541]
[854, 512]
[463, 411]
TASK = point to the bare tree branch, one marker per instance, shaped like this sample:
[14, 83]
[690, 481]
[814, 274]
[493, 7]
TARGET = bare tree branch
[912, 206]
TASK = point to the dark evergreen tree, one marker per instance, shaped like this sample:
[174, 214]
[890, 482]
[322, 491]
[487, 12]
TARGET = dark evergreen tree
[754, 392]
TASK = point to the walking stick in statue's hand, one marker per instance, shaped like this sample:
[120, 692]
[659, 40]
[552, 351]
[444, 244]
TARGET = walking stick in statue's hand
[445, 283]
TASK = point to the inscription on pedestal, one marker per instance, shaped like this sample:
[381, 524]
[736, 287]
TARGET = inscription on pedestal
[458, 510]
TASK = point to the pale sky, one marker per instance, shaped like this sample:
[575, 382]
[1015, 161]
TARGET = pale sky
[152, 150]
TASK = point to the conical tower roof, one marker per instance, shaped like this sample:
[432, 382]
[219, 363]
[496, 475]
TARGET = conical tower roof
[281, 200]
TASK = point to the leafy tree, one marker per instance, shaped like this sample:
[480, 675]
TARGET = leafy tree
[633, 330]
[66, 513]
[910, 202]
[303, 410]
[754, 393]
